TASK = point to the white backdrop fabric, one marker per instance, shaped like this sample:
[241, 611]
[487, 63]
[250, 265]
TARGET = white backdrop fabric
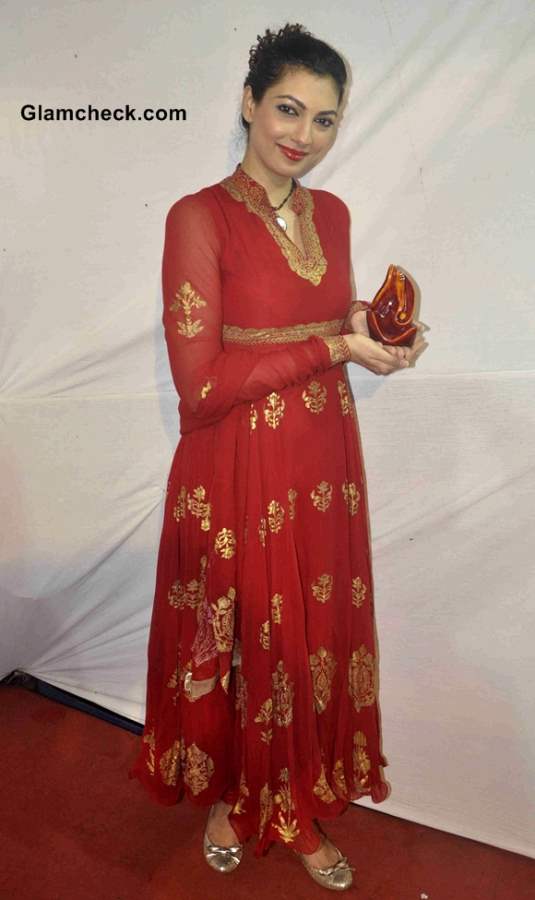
[435, 159]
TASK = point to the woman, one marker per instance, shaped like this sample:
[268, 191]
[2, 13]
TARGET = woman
[261, 688]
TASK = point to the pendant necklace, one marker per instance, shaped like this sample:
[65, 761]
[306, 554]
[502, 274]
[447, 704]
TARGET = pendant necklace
[282, 223]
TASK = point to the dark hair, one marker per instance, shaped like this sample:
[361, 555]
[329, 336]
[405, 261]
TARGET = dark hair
[290, 47]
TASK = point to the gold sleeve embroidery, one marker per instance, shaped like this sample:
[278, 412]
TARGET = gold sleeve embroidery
[187, 299]
[338, 348]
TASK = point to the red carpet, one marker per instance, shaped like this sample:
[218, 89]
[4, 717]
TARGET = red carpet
[74, 827]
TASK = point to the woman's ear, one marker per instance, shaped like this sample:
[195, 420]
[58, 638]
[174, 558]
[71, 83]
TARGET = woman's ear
[248, 103]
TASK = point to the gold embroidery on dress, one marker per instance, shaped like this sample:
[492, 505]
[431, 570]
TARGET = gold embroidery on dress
[265, 635]
[179, 512]
[322, 588]
[191, 594]
[262, 531]
[241, 696]
[253, 417]
[311, 264]
[187, 299]
[276, 608]
[315, 396]
[358, 591]
[361, 760]
[287, 828]
[340, 779]
[169, 763]
[205, 389]
[239, 806]
[223, 622]
[282, 693]
[361, 678]
[322, 495]
[292, 494]
[345, 405]
[322, 666]
[198, 507]
[199, 768]
[274, 409]
[148, 738]
[264, 717]
[275, 516]
[351, 496]
[266, 808]
[225, 543]
[322, 790]
[284, 335]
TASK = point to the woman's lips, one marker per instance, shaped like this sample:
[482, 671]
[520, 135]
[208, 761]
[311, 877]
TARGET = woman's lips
[291, 154]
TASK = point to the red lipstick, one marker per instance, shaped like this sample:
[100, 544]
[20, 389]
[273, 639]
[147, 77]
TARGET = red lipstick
[291, 154]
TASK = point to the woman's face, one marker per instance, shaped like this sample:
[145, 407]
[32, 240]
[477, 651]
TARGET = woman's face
[299, 113]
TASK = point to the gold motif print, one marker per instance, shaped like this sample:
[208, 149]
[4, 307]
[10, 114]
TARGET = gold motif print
[340, 779]
[282, 693]
[191, 594]
[173, 682]
[322, 666]
[169, 763]
[225, 543]
[205, 389]
[241, 696]
[253, 417]
[345, 405]
[239, 806]
[315, 396]
[223, 622]
[358, 591]
[322, 495]
[262, 531]
[264, 717]
[322, 588]
[287, 827]
[361, 760]
[351, 496]
[187, 299]
[292, 494]
[148, 738]
[179, 512]
[361, 678]
[265, 635]
[275, 516]
[198, 506]
[274, 409]
[198, 770]
[266, 808]
[322, 790]
[276, 608]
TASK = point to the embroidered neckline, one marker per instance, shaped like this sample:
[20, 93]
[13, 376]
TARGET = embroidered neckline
[310, 264]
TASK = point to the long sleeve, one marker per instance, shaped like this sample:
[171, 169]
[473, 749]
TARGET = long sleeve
[209, 379]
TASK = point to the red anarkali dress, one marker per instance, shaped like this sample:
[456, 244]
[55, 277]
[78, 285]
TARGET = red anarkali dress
[262, 671]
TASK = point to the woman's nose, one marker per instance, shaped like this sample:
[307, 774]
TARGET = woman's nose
[303, 131]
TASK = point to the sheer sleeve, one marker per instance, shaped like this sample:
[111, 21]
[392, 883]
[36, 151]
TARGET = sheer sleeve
[356, 305]
[210, 380]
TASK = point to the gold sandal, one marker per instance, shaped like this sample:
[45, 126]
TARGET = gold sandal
[336, 877]
[222, 859]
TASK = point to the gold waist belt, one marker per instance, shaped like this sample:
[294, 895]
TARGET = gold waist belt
[281, 335]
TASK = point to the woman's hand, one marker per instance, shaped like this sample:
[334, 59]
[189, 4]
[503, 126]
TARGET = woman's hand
[382, 359]
[359, 324]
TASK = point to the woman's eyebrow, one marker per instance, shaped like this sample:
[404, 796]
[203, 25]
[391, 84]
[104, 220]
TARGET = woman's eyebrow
[300, 103]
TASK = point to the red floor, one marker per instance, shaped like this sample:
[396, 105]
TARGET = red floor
[74, 827]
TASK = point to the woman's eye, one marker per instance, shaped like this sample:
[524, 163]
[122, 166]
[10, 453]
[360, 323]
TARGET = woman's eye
[326, 122]
[284, 108]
